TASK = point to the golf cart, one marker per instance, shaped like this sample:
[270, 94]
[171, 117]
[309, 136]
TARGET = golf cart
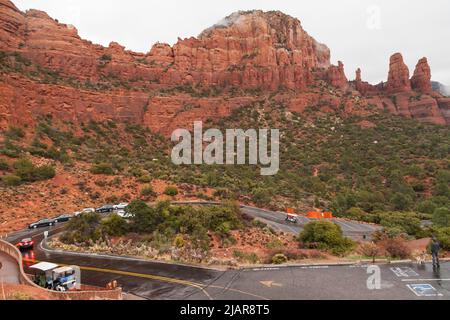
[53, 277]
[292, 218]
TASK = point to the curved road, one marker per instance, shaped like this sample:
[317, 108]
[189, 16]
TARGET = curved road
[155, 280]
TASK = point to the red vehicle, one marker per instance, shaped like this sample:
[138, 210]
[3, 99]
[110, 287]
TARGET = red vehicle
[25, 244]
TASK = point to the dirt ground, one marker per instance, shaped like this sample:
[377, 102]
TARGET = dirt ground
[75, 190]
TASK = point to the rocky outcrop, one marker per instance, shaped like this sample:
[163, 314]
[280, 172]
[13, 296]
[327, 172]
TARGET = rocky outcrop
[247, 52]
[398, 80]
[336, 76]
[363, 87]
[252, 49]
[421, 80]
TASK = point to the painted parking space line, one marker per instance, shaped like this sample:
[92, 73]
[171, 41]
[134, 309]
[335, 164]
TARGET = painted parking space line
[404, 272]
[424, 280]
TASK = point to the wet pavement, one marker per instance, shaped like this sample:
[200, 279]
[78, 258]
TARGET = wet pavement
[163, 281]
[9, 270]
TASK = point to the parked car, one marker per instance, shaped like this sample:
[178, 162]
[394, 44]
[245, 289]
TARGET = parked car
[124, 214]
[121, 206]
[77, 213]
[25, 244]
[105, 209]
[42, 223]
[63, 218]
[88, 210]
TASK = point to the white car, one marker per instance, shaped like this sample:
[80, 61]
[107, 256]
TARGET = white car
[120, 206]
[124, 214]
[88, 210]
[77, 213]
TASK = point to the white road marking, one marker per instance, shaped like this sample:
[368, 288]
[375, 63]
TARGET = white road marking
[424, 280]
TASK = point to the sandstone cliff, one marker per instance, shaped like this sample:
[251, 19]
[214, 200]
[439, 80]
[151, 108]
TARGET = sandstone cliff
[47, 68]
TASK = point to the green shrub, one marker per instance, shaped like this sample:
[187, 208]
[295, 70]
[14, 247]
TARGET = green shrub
[145, 178]
[45, 172]
[102, 168]
[28, 172]
[279, 259]
[443, 236]
[246, 257]
[171, 191]
[441, 217]
[115, 225]
[326, 235]
[147, 191]
[4, 166]
[427, 206]
[11, 180]
[84, 230]
[407, 221]
[15, 133]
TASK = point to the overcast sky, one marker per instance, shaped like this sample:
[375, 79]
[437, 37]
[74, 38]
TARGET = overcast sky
[361, 33]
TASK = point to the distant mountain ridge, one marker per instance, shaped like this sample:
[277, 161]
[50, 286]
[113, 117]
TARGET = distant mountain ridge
[441, 88]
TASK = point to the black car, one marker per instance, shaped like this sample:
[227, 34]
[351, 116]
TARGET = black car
[42, 223]
[63, 218]
[105, 209]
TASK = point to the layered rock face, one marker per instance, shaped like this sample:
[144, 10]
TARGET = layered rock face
[247, 49]
[254, 50]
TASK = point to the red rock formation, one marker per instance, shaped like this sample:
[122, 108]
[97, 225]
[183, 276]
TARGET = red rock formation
[421, 80]
[364, 88]
[398, 80]
[336, 76]
[247, 50]
[358, 75]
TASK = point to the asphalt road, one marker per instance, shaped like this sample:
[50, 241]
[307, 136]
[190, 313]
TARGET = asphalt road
[276, 220]
[153, 280]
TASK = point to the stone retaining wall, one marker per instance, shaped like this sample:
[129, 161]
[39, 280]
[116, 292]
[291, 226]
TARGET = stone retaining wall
[13, 252]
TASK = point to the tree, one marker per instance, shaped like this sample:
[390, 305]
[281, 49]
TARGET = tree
[115, 226]
[83, 229]
[145, 218]
[441, 217]
[406, 221]
[326, 236]
[401, 201]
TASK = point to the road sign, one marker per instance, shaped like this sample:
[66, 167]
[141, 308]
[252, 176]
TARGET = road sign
[424, 290]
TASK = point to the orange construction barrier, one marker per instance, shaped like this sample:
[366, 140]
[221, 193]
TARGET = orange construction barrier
[320, 215]
[328, 215]
[290, 210]
[314, 215]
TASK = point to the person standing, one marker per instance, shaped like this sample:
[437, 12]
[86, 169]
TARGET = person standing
[435, 248]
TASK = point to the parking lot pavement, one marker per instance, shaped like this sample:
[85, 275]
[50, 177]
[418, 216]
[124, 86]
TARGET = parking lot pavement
[398, 282]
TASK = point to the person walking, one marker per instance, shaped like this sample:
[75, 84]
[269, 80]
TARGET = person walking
[435, 248]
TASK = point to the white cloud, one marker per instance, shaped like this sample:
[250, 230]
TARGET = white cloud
[361, 33]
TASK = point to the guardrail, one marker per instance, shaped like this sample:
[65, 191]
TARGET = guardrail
[13, 252]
